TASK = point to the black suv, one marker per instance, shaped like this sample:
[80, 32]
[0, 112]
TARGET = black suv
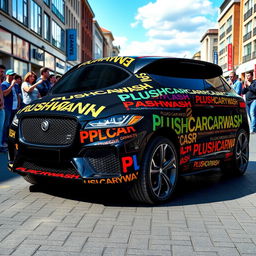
[138, 120]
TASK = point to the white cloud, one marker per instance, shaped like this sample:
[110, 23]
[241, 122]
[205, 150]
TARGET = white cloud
[173, 28]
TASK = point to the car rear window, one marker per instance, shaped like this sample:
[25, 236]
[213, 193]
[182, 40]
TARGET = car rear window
[177, 82]
[93, 77]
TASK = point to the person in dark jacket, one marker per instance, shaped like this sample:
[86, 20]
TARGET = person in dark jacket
[250, 95]
[45, 86]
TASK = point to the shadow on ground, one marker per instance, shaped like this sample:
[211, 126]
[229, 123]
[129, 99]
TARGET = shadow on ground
[197, 189]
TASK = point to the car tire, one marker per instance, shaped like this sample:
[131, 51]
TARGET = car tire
[158, 172]
[35, 180]
[240, 159]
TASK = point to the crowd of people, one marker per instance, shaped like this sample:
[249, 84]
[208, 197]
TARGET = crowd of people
[16, 92]
[247, 89]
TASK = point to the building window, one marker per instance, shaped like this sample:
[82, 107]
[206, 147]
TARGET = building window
[3, 5]
[36, 17]
[20, 10]
[248, 28]
[247, 6]
[229, 40]
[229, 21]
[57, 36]
[247, 49]
[47, 2]
[46, 27]
[58, 9]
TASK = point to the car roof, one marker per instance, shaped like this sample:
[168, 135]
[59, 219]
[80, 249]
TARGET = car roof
[166, 66]
[177, 67]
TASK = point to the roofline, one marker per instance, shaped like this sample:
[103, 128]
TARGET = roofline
[209, 32]
[89, 7]
[229, 4]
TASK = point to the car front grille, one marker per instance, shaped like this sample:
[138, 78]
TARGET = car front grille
[65, 169]
[105, 161]
[61, 131]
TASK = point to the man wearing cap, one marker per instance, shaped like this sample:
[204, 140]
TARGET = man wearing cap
[10, 101]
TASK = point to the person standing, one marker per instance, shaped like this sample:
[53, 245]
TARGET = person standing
[2, 112]
[45, 86]
[52, 80]
[235, 83]
[250, 94]
[11, 100]
[29, 88]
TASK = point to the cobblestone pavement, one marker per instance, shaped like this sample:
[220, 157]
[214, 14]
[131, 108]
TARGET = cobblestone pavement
[210, 215]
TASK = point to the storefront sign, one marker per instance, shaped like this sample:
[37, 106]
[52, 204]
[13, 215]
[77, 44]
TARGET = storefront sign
[230, 57]
[60, 66]
[215, 57]
[6, 41]
[71, 44]
[37, 55]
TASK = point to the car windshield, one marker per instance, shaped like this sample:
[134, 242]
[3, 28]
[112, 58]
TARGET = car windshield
[88, 78]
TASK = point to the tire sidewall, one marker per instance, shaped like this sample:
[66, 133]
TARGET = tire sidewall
[145, 169]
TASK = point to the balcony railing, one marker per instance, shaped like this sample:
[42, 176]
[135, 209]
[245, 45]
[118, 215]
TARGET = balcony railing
[229, 29]
[248, 14]
[247, 57]
[222, 51]
[247, 36]
[222, 35]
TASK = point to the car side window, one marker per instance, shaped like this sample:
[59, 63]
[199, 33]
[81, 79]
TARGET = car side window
[215, 84]
[176, 82]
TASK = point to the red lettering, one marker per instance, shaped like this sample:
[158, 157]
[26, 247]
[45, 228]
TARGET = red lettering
[83, 136]
[126, 162]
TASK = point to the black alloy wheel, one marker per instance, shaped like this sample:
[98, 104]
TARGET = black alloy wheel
[240, 159]
[158, 173]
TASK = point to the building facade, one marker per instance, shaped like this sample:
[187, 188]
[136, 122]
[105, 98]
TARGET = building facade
[109, 50]
[86, 27]
[73, 32]
[32, 35]
[229, 36]
[209, 46]
[98, 41]
[248, 37]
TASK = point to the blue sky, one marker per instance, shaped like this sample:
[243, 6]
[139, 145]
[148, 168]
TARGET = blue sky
[157, 27]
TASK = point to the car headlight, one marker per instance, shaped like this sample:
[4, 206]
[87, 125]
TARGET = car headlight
[15, 121]
[114, 121]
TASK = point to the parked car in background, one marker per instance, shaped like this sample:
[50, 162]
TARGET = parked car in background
[139, 120]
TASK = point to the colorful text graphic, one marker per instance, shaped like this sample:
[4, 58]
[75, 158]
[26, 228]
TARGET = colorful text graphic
[12, 133]
[205, 164]
[163, 93]
[103, 134]
[134, 88]
[130, 161]
[156, 104]
[48, 174]
[187, 138]
[115, 180]
[65, 106]
[125, 61]
[215, 100]
[213, 146]
[184, 159]
[143, 77]
[194, 124]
